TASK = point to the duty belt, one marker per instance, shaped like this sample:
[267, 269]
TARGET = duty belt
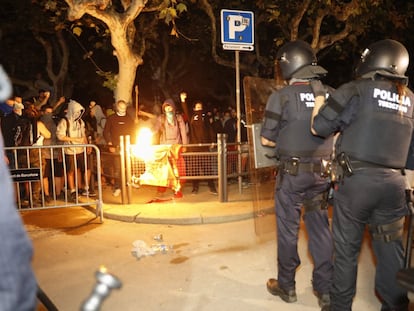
[362, 164]
[345, 167]
[294, 166]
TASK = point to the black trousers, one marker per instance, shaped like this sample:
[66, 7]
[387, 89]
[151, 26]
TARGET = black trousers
[291, 193]
[373, 196]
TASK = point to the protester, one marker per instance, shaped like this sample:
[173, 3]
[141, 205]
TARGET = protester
[71, 131]
[52, 166]
[99, 117]
[172, 130]
[117, 125]
[201, 132]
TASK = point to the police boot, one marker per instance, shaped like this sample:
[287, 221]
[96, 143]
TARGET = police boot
[286, 295]
[324, 301]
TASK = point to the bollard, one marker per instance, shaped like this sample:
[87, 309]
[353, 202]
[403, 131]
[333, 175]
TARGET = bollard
[222, 166]
[128, 175]
[123, 173]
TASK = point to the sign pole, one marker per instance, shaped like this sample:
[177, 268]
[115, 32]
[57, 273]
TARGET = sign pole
[239, 166]
[237, 33]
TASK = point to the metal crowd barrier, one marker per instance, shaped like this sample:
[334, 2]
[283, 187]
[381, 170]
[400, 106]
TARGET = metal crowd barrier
[27, 170]
[218, 161]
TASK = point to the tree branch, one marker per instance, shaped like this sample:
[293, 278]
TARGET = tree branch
[297, 19]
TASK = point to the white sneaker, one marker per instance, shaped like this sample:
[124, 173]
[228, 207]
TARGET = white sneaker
[116, 192]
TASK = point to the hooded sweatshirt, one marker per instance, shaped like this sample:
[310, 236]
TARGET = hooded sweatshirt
[100, 122]
[72, 126]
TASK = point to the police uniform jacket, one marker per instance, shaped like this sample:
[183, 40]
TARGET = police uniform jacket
[374, 118]
[287, 122]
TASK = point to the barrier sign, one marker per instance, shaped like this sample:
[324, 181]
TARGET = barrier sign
[237, 30]
[25, 174]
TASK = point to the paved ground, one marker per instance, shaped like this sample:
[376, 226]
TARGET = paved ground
[190, 209]
[220, 254]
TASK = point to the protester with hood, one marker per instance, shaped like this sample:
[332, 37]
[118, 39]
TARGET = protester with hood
[171, 128]
[97, 113]
[71, 131]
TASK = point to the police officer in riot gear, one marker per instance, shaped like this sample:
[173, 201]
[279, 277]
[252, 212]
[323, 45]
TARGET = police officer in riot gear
[302, 178]
[374, 117]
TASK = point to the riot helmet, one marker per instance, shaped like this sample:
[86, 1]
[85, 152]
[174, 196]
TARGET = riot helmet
[293, 56]
[387, 56]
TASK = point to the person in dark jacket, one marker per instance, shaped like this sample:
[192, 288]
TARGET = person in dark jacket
[302, 178]
[373, 115]
[117, 125]
[201, 132]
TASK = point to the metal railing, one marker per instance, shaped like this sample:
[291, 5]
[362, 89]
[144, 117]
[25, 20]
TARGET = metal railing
[35, 168]
[218, 161]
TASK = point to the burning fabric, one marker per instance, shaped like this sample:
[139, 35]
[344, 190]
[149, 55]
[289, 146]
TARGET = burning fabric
[164, 167]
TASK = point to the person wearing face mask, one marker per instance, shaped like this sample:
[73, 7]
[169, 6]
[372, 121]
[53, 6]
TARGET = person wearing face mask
[171, 126]
[15, 127]
[71, 131]
[201, 132]
[172, 130]
[117, 125]
[51, 176]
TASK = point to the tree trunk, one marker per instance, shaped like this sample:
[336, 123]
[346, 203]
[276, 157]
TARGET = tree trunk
[121, 26]
[128, 63]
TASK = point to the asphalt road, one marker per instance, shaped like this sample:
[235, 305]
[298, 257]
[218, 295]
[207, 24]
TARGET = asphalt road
[210, 267]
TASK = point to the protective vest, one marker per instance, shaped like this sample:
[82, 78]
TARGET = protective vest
[295, 138]
[381, 132]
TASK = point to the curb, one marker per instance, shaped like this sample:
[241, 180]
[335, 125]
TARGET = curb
[185, 220]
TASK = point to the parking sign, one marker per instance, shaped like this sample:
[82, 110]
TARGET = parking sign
[237, 30]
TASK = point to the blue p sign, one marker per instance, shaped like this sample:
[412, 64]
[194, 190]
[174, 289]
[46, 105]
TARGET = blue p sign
[237, 29]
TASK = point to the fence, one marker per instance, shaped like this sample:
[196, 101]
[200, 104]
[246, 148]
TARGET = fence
[42, 176]
[219, 161]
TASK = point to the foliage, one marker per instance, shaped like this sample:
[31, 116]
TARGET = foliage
[180, 33]
[110, 79]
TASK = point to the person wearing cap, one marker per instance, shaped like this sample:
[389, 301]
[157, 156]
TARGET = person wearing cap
[117, 125]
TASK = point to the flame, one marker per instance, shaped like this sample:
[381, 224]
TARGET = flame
[143, 148]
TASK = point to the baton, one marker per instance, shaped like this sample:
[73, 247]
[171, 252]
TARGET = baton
[409, 242]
